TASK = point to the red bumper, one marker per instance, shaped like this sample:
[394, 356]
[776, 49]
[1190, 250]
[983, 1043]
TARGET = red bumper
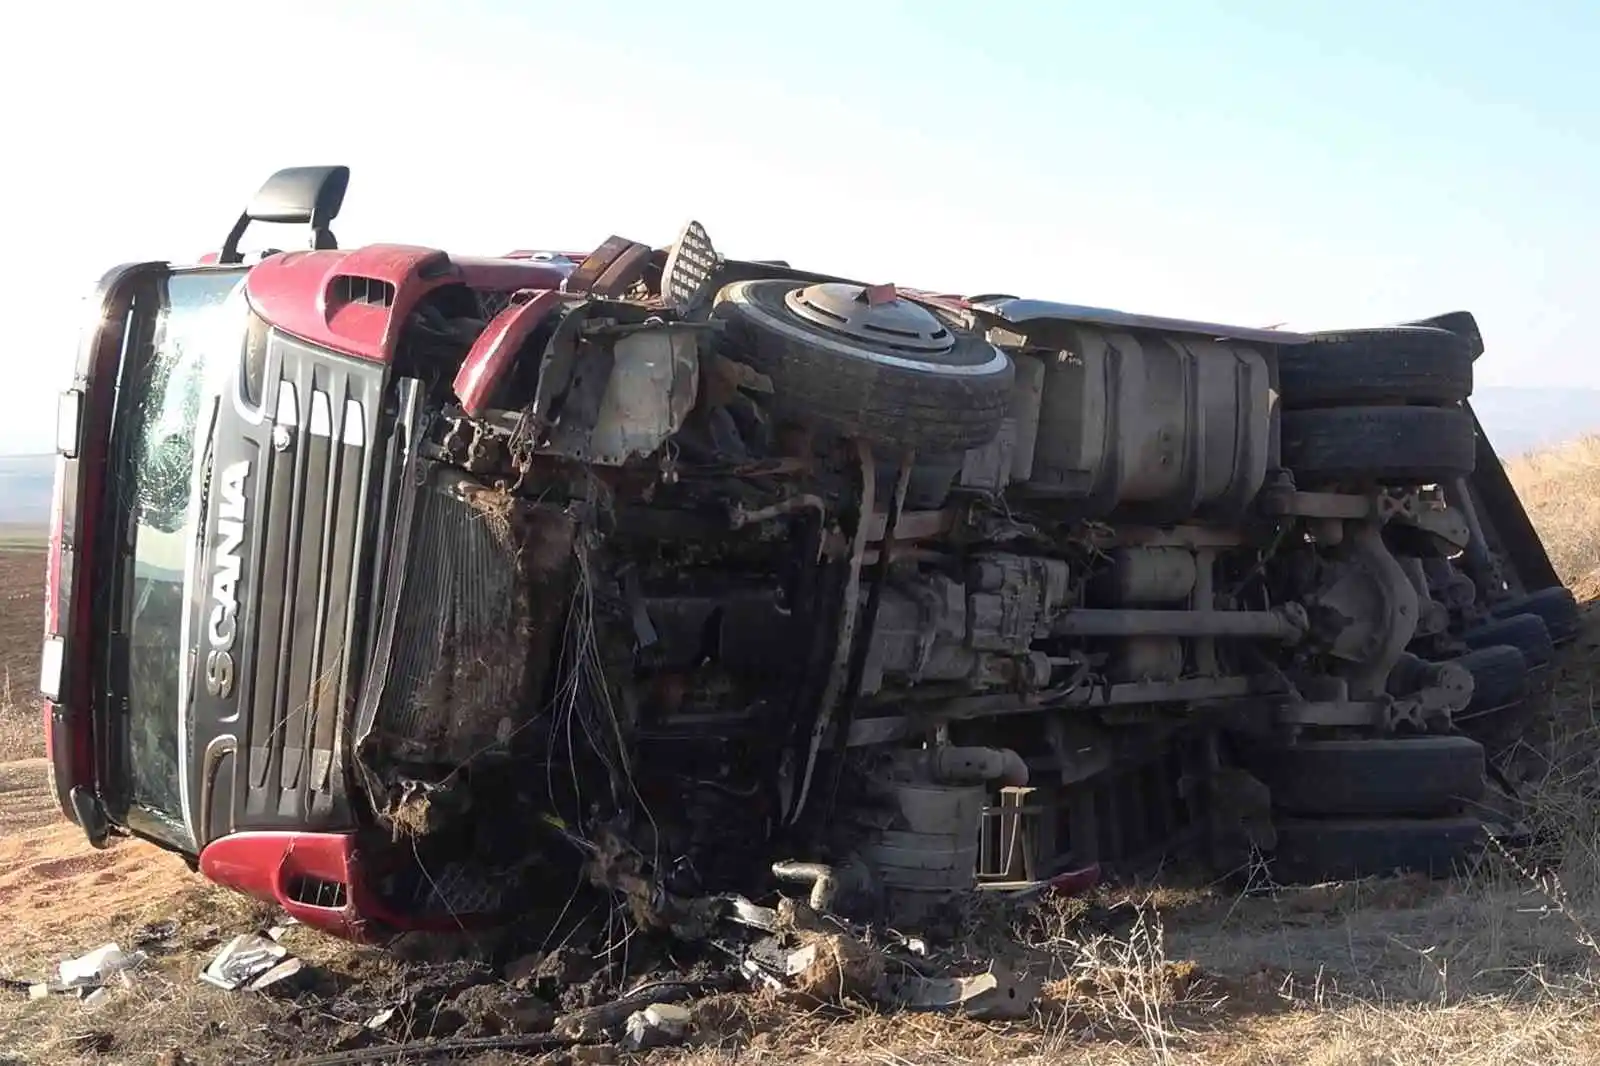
[320, 879]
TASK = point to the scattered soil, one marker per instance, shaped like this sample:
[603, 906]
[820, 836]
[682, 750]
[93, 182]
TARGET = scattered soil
[54, 887]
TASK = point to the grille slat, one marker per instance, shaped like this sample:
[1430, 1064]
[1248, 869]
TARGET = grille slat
[309, 529]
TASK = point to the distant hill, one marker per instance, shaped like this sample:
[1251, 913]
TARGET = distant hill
[1518, 420]
[1521, 420]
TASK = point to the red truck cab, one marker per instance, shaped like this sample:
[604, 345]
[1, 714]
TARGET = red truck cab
[227, 461]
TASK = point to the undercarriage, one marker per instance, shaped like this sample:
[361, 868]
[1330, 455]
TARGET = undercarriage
[710, 574]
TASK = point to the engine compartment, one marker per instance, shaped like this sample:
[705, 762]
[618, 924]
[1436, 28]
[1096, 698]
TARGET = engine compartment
[719, 573]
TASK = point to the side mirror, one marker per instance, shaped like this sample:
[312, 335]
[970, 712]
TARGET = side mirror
[308, 196]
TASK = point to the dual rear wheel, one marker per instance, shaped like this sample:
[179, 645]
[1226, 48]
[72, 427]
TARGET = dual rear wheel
[1378, 406]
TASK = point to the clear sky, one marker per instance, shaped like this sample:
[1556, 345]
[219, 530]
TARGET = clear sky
[1319, 164]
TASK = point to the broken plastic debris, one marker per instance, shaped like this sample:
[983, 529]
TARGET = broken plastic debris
[155, 932]
[753, 915]
[242, 960]
[657, 1025]
[103, 962]
[96, 999]
[284, 970]
[914, 945]
[758, 974]
[1000, 993]
[380, 1019]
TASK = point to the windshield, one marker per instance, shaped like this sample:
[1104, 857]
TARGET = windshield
[167, 399]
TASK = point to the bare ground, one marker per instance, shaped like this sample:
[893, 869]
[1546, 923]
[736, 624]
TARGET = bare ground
[1499, 965]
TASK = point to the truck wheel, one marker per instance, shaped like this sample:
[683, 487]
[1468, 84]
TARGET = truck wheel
[1557, 606]
[1498, 715]
[1499, 679]
[1388, 445]
[1411, 776]
[889, 371]
[1311, 850]
[1525, 632]
[1409, 364]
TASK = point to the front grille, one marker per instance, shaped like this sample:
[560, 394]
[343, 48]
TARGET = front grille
[317, 892]
[458, 668]
[302, 468]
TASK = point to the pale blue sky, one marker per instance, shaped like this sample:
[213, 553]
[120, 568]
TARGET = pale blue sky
[1317, 164]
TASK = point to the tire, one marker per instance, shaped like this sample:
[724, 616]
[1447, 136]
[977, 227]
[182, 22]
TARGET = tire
[1311, 850]
[948, 401]
[1525, 632]
[1557, 606]
[1500, 710]
[1412, 776]
[1409, 364]
[1499, 679]
[1388, 445]
[1461, 323]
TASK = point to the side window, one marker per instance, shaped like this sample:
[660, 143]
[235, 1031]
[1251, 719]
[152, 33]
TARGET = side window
[197, 338]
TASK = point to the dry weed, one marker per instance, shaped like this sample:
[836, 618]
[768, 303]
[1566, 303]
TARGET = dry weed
[21, 729]
[1560, 488]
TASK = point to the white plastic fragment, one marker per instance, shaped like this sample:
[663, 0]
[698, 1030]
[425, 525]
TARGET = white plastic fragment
[284, 970]
[96, 966]
[1000, 993]
[656, 1026]
[278, 931]
[242, 960]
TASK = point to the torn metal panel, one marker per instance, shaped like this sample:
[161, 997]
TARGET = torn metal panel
[998, 994]
[612, 391]
[655, 378]
[485, 367]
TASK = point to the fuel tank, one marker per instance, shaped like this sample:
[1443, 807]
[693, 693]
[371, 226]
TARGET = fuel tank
[1155, 427]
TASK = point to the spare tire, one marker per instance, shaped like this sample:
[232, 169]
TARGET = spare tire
[1384, 445]
[869, 364]
[1410, 776]
[1409, 364]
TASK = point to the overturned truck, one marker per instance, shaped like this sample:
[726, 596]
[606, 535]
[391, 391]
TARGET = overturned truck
[401, 588]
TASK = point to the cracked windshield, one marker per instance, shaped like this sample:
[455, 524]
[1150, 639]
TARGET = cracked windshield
[851, 533]
[197, 339]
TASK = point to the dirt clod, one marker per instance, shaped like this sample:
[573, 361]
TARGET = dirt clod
[831, 967]
[496, 1011]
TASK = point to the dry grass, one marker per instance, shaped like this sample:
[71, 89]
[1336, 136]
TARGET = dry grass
[1560, 487]
[21, 732]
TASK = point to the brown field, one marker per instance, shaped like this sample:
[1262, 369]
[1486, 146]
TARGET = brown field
[1501, 965]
